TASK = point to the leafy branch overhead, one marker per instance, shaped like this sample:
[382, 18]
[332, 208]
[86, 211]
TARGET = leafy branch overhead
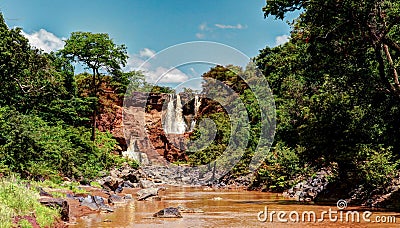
[348, 27]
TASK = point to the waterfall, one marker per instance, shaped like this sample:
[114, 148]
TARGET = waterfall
[133, 152]
[174, 122]
[179, 121]
[170, 115]
[197, 103]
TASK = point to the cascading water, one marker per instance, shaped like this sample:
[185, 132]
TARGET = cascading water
[134, 153]
[179, 121]
[174, 122]
[197, 104]
[170, 115]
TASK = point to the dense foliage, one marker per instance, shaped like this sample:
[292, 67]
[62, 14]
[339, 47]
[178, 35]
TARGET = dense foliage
[336, 87]
[46, 110]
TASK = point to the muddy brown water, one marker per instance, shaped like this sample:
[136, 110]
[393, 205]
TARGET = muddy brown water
[233, 208]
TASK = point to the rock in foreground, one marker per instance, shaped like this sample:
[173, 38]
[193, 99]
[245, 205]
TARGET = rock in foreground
[169, 212]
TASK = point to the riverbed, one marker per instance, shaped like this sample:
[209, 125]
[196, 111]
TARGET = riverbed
[235, 208]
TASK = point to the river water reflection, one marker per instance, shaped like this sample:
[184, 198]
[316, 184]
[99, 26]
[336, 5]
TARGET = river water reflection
[225, 208]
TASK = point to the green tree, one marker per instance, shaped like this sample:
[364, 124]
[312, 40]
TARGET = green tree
[25, 74]
[99, 53]
[336, 80]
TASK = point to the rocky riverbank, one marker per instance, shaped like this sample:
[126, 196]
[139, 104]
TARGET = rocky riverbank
[122, 185]
[321, 188]
[126, 184]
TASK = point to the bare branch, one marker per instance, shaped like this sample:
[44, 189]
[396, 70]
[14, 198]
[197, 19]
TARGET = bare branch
[389, 58]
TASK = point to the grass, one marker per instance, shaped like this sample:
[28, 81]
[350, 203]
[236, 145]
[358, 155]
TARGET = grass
[95, 184]
[16, 199]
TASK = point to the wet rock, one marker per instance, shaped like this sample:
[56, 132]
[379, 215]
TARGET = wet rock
[169, 212]
[89, 202]
[148, 192]
[96, 203]
[186, 179]
[129, 174]
[115, 199]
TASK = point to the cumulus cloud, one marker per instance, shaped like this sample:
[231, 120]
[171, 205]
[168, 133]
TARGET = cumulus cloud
[200, 35]
[147, 53]
[279, 40]
[153, 73]
[167, 76]
[45, 40]
[238, 26]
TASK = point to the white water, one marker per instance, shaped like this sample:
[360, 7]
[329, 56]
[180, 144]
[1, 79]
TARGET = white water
[132, 152]
[174, 122]
[197, 103]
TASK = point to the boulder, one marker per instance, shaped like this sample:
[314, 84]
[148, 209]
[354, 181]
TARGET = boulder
[96, 203]
[169, 212]
[148, 192]
[146, 184]
[115, 199]
[89, 202]
[111, 182]
[60, 203]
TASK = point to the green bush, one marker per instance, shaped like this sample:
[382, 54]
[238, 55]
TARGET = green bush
[281, 166]
[379, 168]
[39, 150]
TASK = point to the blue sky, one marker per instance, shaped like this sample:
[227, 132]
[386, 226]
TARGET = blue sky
[147, 26]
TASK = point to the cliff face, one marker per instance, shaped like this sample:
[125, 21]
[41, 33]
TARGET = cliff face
[141, 123]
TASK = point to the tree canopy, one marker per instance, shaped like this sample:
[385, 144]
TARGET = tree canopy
[97, 52]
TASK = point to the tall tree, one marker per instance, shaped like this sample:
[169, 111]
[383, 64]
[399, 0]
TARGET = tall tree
[99, 53]
[26, 75]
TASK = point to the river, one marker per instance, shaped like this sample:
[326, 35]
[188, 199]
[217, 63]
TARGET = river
[233, 208]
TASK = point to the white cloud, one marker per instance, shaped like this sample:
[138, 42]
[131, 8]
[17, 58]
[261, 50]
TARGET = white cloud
[238, 26]
[45, 40]
[147, 53]
[153, 73]
[279, 40]
[200, 35]
[168, 76]
[203, 27]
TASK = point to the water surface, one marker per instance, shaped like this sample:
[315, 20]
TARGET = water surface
[225, 208]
